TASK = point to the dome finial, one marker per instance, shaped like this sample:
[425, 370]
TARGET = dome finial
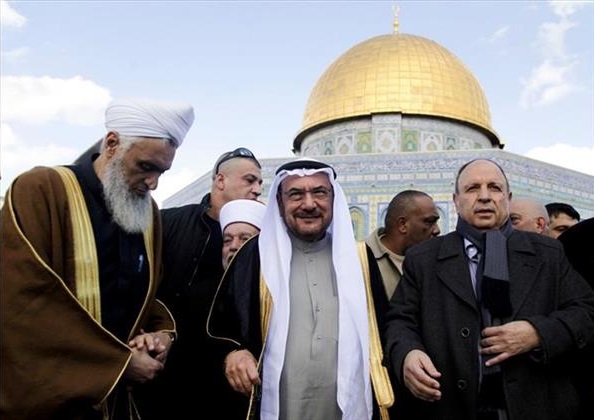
[396, 9]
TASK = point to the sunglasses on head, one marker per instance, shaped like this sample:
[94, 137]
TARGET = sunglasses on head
[239, 152]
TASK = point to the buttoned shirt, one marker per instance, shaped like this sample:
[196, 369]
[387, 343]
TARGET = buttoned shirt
[389, 263]
[474, 258]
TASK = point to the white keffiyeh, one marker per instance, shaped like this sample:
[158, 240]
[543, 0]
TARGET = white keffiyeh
[354, 383]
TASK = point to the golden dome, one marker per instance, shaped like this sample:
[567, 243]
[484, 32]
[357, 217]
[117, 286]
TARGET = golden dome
[397, 73]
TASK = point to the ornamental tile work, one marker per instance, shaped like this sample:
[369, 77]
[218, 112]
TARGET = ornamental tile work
[328, 147]
[371, 180]
[364, 143]
[431, 142]
[391, 133]
[410, 141]
[387, 142]
[345, 144]
[360, 221]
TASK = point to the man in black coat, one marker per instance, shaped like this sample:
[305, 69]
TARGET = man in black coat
[576, 241]
[487, 319]
[192, 261]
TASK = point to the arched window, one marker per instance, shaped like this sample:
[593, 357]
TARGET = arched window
[359, 223]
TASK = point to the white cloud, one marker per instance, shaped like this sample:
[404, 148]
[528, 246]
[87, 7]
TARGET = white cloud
[498, 34]
[551, 38]
[553, 78]
[39, 100]
[10, 17]
[172, 182]
[547, 84]
[18, 157]
[15, 55]
[565, 8]
[573, 157]
[7, 135]
[21, 156]
[32, 101]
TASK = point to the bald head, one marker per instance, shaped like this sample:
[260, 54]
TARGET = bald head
[411, 218]
[528, 215]
[234, 177]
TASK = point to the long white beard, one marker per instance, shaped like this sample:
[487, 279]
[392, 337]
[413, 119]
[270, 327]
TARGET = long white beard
[131, 212]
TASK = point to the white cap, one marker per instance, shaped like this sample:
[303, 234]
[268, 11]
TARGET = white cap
[242, 210]
[149, 118]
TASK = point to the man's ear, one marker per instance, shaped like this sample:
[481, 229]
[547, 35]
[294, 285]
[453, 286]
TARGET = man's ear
[401, 224]
[219, 181]
[541, 223]
[112, 141]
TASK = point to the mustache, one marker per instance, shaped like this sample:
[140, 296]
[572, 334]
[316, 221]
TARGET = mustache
[308, 213]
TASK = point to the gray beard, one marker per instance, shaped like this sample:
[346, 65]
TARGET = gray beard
[133, 213]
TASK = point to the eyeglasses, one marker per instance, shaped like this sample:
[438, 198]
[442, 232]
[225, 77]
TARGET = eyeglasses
[318, 194]
[239, 152]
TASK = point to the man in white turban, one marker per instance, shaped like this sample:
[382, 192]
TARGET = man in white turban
[240, 220]
[81, 261]
[192, 262]
[145, 118]
[149, 118]
[314, 297]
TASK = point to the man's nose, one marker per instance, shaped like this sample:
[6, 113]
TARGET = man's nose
[257, 189]
[308, 200]
[436, 230]
[235, 244]
[152, 181]
[484, 193]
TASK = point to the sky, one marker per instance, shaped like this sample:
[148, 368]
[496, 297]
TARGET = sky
[248, 68]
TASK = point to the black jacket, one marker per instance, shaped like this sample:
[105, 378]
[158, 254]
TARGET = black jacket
[434, 309]
[192, 263]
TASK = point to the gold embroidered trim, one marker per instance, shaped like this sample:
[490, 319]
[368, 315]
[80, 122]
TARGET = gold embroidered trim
[379, 374]
[85, 253]
[265, 307]
[265, 311]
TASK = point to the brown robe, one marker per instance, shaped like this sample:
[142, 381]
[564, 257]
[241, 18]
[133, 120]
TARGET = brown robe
[57, 360]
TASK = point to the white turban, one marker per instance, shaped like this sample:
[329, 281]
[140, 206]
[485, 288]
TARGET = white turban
[242, 210]
[149, 118]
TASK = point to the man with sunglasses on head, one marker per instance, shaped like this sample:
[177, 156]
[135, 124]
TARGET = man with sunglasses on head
[192, 261]
[305, 288]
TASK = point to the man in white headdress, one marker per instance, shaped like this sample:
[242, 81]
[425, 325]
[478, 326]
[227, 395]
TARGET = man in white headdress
[192, 270]
[318, 308]
[81, 257]
[240, 220]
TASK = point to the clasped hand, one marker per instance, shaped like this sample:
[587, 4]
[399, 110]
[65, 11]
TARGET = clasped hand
[149, 353]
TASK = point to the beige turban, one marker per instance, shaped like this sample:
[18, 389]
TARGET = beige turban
[242, 210]
[149, 118]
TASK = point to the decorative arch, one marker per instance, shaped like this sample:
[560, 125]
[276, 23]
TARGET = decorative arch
[359, 222]
[443, 222]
